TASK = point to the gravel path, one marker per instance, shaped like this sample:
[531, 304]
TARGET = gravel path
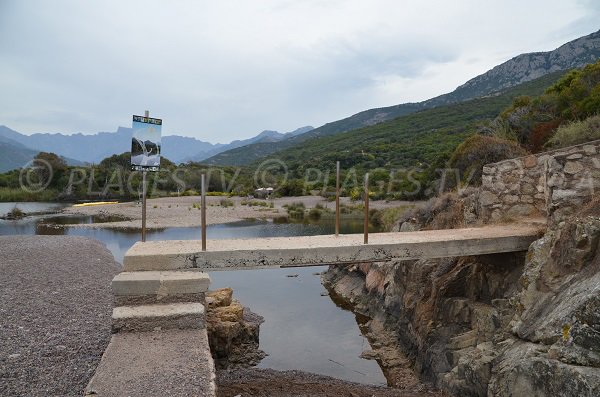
[55, 306]
[270, 383]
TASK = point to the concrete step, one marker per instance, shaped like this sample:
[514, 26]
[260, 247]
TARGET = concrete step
[172, 363]
[134, 288]
[161, 316]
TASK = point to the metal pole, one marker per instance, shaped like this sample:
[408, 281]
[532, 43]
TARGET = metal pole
[203, 211]
[366, 226]
[144, 192]
[143, 206]
[337, 198]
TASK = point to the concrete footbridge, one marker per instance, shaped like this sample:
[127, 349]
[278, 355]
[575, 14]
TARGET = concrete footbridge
[160, 344]
[280, 252]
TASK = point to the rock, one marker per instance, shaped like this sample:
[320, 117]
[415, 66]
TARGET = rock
[510, 199]
[233, 312]
[589, 150]
[369, 355]
[409, 227]
[233, 332]
[575, 156]
[525, 371]
[521, 210]
[573, 167]
[530, 161]
[488, 198]
[219, 297]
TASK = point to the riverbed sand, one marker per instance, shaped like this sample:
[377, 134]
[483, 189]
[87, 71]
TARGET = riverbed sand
[185, 211]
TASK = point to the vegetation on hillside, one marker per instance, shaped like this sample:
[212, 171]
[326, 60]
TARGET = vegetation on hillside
[576, 132]
[565, 114]
[411, 157]
[479, 150]
[405, 156]
[534, 121]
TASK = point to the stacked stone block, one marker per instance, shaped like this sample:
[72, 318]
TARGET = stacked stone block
[572, 179]
[551, 184]
[513, 188]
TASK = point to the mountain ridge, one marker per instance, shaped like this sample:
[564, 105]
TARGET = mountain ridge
[519, 69]
[81, 148]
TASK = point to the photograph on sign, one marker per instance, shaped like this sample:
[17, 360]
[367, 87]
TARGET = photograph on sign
[145, 144]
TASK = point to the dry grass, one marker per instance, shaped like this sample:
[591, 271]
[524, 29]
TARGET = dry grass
[576, 132]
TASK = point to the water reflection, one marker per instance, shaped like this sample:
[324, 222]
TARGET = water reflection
[30, 208]
[303, 329]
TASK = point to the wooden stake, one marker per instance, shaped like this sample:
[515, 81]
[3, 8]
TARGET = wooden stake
[337, 198]
[203, 210]
[366, 226]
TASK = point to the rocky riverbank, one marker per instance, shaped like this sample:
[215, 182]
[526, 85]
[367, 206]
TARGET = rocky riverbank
[496, 325]
[258, 382]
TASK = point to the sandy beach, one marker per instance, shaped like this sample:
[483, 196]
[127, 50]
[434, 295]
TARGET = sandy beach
[185, 211]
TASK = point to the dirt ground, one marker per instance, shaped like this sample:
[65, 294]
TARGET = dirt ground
[270, 383]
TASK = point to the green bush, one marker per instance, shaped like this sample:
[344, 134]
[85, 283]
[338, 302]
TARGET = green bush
[576, 132]
[314, 214]
[477, 151]
[295, 210]
[257, 203]
[226, 203]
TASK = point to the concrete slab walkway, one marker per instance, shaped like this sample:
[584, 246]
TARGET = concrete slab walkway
[164, 363]
[235, 254]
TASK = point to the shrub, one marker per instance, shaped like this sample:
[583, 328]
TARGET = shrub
[295, 210]
[387, 217]
[576, 132]
[294, 187]
[478, 150]
[190, 192]
[226, 203]
[443, 212]
[314, 214]
[16, 213]
[257, 203]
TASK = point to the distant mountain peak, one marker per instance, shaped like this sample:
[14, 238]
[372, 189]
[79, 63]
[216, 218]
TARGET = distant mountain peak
[518, 70]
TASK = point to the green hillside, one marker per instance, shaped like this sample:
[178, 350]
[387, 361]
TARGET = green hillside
[519, 70]
[424, 140]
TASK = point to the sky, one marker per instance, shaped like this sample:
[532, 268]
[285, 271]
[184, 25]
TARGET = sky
[225, 70]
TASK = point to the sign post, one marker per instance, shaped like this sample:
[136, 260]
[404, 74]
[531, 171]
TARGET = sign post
[145, 153]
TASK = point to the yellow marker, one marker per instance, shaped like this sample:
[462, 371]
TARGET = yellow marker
[95, 203]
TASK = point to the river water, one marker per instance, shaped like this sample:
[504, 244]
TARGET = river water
[303, 330]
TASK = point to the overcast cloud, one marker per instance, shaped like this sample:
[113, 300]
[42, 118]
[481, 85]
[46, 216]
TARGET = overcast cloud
[224, 70]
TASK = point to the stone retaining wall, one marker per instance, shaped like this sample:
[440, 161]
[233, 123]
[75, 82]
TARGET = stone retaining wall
[551, 184]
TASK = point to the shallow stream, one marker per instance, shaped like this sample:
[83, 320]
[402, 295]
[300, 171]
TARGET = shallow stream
[303, 328]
